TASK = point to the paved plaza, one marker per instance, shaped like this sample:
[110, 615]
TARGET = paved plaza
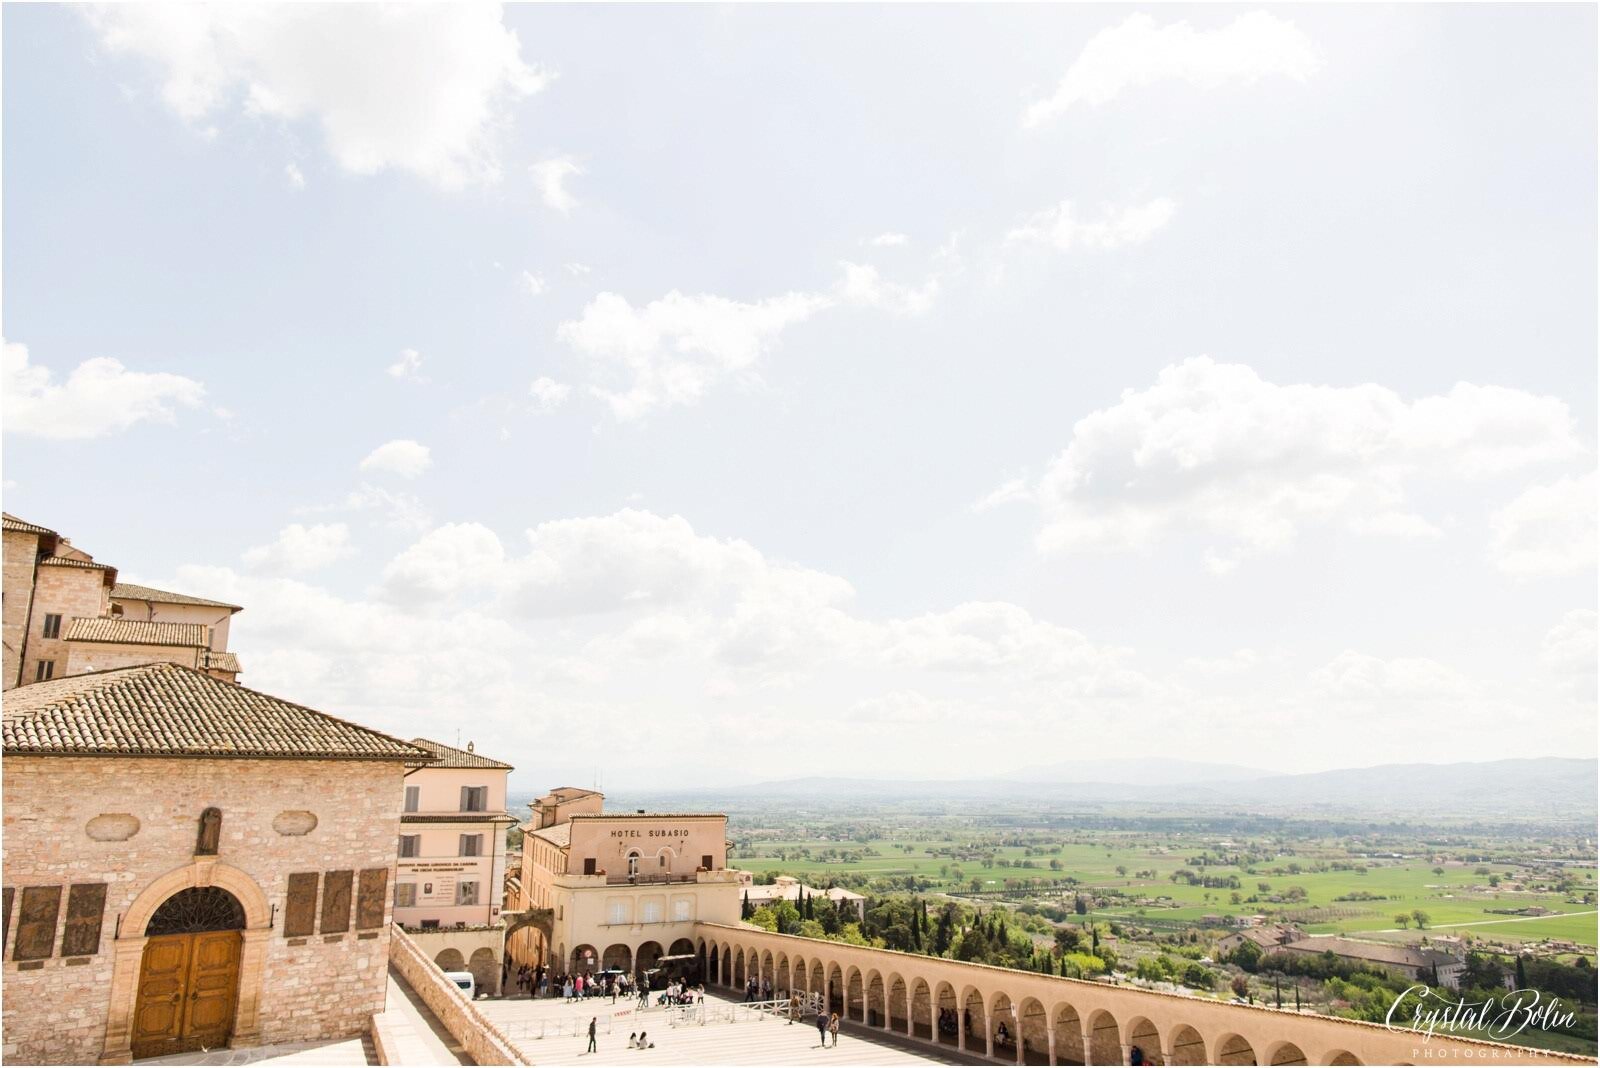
[747, 1038]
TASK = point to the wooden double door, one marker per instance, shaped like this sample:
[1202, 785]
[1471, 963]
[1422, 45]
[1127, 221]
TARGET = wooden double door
[188, 990]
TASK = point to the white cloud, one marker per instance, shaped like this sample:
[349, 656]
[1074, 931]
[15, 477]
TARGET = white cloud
[454, 558]
[863, 285]
[673, 349]
[1547, 530]
[1570, 653]
[1113, 228]
[550, 178]
[1358, 676]
[578, 270]
[1214, 450]
[400, 511]
[889, 240]
[548, 394]
[408, 366]
[100, 397]
[1137, 53]
[293, 175]
[422, 88]
[533, 283]
[400, 457]
[300, 548]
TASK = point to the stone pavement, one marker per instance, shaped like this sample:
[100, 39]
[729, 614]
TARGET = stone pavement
[412, 1034]
[754, 1040]
[348, 1051]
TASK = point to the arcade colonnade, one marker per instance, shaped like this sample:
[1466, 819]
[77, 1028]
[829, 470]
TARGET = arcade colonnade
[1027, 1018]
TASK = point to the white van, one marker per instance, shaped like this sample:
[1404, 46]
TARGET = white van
[465, 981]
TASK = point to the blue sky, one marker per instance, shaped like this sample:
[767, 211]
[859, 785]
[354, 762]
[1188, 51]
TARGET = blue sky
[1185, 382]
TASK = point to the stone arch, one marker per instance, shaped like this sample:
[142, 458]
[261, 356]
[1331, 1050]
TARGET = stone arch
[738, 966]
[1033, 1026]
[897, 997]
[647, 955]
[680, 947]
[834, 991]
[1105, 1038]
[768, 971]
[713, 964]
[1233, 1049]
[1142, 1033]
[129, 941]
[974, 1021]
[780, 976]
[855, 1000]
[798, 973]
[948, 1005]
[924, 1021]
[1339, 1056]
[874, 995]
[1068, 1028]
[584, 959]
[450, 960]
[817, 980]
[1002, 1013]
[1285, 1053]
[1187, 1045]
[617, 955]
[485, 970]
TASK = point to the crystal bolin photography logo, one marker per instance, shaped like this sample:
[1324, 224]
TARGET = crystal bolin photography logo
[1496, 1018]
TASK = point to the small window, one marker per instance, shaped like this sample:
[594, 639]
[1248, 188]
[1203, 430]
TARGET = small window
[47, 671]
[588, 865]
[413, 797]
[405, 895]
[474, 798]
[410, 844]
[661, 861]
[52, 626]
[467, 892]
[682, 909]
[705, 862]
[471, 845]
[616, 911]
[651, 912]
[430, 925]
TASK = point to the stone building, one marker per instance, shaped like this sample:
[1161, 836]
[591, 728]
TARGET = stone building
[788, 888]
[622, 890]
[189, 863]
[66, 614]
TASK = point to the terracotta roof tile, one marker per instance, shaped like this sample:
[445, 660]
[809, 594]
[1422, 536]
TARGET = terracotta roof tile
[138, 632]
[220, 662]
[164, 710]
[67, 561]
[127, 591]
[25, 527]
[451, 757]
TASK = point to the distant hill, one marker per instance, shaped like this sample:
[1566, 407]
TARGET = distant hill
[1556, 787]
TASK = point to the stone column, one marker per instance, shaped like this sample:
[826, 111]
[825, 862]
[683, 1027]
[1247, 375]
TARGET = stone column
[252, 963]
[961, 1029]
[988, 1036]
[1088, 1046]
[1168, 1052]
[128, 958]
[1127, 1053]
[911, 1013]
[1050, 1040]
[1022, 1040]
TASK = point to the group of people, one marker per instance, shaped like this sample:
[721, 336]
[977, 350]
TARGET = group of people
[588, 985]
[758, 989]
[948, 1023]
[531, 981]
[677, 992]
[828, 1027]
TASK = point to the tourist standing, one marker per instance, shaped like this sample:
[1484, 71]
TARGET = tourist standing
[822, 1028]
[833, 1029]
[592, 1021]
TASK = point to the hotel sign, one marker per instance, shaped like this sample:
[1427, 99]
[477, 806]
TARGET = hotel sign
[660, 832]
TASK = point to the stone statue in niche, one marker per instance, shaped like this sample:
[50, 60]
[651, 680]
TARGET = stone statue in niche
[210, 833]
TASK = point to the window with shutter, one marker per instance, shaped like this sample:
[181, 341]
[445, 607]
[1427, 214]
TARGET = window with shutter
[467, 892]
[405, 895]
[410, 845]
[413, 797]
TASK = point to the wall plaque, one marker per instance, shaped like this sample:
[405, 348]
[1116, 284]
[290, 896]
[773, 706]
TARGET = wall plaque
[86, 908]
[36, 922]
[336, 901]
[374, 894]
[300, 911]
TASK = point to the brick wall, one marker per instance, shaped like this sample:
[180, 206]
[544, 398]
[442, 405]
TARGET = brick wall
[103, 656]
[483, 1041]
[20, 552]
[69, 592]
[327, 987]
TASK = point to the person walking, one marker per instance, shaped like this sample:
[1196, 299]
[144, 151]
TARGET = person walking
[833, 1029]
[822, 1028]
[592, 1022]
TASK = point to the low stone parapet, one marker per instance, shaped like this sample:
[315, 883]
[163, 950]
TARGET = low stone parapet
[483, 1041]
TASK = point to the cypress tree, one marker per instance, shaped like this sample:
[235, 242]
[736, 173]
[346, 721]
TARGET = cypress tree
[1522, 975]
[745, 911]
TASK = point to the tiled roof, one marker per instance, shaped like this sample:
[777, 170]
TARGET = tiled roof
[67, 561]
[138, 632]
[649, 816]
[127, 591]
[457, 817]
[25, 527]
[220, 662]
[451, 757]
[164, 710]
[560, 835]
[1382, 953]
[562, 794]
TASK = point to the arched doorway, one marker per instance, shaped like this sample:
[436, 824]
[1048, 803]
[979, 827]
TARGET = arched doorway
[189, 974]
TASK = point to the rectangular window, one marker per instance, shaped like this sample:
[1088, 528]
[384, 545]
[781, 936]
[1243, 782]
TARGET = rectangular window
[413, 796]
[471, 845]
[682, 910]
[705, 861]
[467, 892]
[410, 844]
[430, 925]
[474, 798]
[617, 911]
[52, 626]
[588, 865]
[46, 672]
[651, 911]
[405, 895]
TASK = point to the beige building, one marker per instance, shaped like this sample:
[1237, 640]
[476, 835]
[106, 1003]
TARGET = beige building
[190, 864]
[66, 614]
[453, 823]
[623, 890]
[788, 888]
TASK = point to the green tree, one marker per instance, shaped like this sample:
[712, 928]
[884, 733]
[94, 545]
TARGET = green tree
[1402, 920]
[1420, 918]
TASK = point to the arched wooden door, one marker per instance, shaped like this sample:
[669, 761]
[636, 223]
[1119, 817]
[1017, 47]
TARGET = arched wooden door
[189, 977]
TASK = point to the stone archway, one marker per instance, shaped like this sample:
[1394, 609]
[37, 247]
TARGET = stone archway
[1234, 1049]
[1286, 1053]
[485, 970]
[450, 960]
[1143, 1034]
[130, 941]
[1187, 1045]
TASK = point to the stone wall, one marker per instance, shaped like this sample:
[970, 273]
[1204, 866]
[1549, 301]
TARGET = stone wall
[69, 592]
[323, 986]
[84, 657]
[484, 1042]
[21, 550]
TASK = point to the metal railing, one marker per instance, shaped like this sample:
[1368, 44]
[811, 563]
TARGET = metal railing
[702, 1013]
[561, 1027]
